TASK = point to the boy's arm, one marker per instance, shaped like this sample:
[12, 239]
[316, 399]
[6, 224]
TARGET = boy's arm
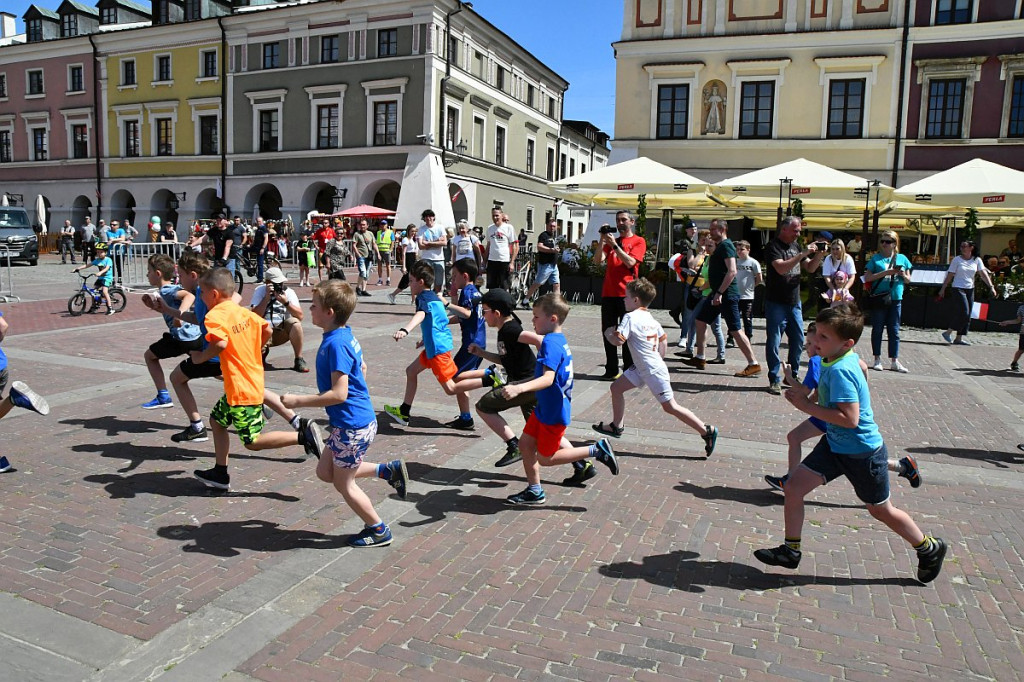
[3, 328]
[336, 394]
[476, 350]
[612, 335]
[531, 338]
[212, 350]
[510, 391]
[1013, 320]
[413, 322]
[663, 346]
[266, 334]
[459, 311]
[845, 415]
[185, 300]
[102, 271]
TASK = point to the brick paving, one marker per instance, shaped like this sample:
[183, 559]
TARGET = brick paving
[647, 575]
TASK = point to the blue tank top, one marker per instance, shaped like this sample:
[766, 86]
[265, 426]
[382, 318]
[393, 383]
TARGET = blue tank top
[187, 331]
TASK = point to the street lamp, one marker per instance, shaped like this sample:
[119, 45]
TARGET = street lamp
[175, 201]
[441, 122]
[339, 197]
[789, 182]
[460, 149]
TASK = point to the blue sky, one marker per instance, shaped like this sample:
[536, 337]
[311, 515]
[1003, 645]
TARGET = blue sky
[573, 37]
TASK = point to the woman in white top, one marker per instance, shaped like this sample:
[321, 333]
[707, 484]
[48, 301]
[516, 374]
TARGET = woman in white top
[838, 261]
[961, 273]
[465, 245]
[408, 251]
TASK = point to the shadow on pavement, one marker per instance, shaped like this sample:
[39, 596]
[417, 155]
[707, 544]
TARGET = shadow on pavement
[138, 454]
[226, 538]
[977, 372]
[682, 387]
[168, 484]
[999, 459]
[115, 427]
[444, 476]
[758, 498]
[681, 570]
[437, 505]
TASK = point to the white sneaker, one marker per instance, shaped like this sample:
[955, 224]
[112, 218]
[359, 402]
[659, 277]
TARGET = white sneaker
[897, 366]
[391, 299]
[878, 365]
[682, 343]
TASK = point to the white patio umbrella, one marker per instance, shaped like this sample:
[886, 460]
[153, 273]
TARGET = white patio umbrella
[3, 199]
[818, 187]
[41, 211]
[619, 185]
[988, 187]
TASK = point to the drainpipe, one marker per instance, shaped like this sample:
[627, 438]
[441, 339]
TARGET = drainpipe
[223, 138]
[96, 127]
[442, 124]
[899, 100]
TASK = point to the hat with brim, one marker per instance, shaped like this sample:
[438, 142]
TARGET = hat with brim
[499, 300]
[275, 276]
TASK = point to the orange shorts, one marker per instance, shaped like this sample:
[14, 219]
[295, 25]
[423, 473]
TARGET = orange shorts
[441, 365]
[548, 436]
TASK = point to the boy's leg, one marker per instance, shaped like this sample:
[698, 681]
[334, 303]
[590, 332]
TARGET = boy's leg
[412, 373]
[684, 415]
[898, 521]
[618, 391]
[273, 440]
[156, 372]
[804, 431]
[531, 463]
[221, 443]
[179, 381]
[345, 483]
[800, 483]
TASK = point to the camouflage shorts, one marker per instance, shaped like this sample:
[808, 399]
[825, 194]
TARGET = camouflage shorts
[247, 420]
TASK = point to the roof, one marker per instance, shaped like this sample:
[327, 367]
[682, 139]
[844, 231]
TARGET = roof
[43, 13]
[83, 9]
[134, 6]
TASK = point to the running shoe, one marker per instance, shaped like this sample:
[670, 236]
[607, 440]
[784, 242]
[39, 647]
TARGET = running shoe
[461, 424]
[367, 537]
[396, 414]
[5, 466]
[399, 476]
[24, 397]
[391, 299]
[190, 435]
[158, 402]
[909, 471]
[213, 479]
[580, 476]
[780, 556]
[300, 366]
[776, 482]
[511, 456]
[527, 497]
[312, 438]
[710, 439]
[605, 455]
[930, 563]
[947, 337]
[897, 366]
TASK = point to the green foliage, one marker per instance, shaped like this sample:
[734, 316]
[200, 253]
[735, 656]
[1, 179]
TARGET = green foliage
[971, 224]
[798, 208]
[641, 216]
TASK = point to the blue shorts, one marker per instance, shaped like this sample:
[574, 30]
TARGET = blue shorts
[729, 310]
[818, 424]
[868, 472]
[547, 272]
[466, 361]
[347, 446]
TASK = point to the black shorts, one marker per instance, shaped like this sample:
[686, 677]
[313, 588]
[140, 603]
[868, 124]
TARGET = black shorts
[170, 347]
[1020, 343]
[203, 371]
[729, 309]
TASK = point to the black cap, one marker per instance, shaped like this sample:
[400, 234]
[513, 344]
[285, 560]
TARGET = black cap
[500, 301]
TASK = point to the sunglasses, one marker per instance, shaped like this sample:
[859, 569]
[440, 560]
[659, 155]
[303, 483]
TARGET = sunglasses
[886, 241]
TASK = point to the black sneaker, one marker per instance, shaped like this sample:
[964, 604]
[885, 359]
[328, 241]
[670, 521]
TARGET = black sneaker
[399, 476]
[212, 478]
[605, 455]
[511, 456]
[909, 471]
[300, 366]
[190, 435]
[779, 556]
[710, 439]
[929, 564]
[311, 438]
[461, 424]
[717, 361]
[580, 476]
[527, 497]
[777, 482]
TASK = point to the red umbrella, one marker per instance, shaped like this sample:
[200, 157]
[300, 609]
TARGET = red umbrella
[364, 211]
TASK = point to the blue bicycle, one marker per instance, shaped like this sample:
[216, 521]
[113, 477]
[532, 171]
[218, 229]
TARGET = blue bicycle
[87, 299]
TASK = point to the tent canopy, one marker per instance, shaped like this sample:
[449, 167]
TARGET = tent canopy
[364, 211]
[979, 184]
[619, 185]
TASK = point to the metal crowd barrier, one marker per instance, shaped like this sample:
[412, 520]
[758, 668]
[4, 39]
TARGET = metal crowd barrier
[132, 265]
[7, 295]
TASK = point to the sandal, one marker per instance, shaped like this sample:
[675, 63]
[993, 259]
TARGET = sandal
[609, 430]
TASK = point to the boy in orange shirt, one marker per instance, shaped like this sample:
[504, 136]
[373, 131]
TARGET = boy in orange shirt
[237, 336]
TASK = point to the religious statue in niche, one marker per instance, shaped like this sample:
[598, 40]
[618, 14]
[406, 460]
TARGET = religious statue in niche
[714, 101]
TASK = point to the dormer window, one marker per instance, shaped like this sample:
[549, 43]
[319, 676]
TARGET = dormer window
[68, 25]
[163, 11]
[34, 29]
[193, 10]
[108, 15]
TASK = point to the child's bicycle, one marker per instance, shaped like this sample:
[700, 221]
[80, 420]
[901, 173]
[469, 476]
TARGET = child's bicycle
[521, 279]
[87, 299]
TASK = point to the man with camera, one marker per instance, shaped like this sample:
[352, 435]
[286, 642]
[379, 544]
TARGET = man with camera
[623, 252]
[279, 305]
[782, 308]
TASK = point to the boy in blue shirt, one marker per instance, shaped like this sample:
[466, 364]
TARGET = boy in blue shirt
[20, 396]
[544, 433]
[104, 274]
[852, 447]
[437, 343]
[341, 380]
[466, 311]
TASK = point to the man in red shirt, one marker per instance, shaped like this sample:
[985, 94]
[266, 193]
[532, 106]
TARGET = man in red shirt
[323, 234]
[623, 253]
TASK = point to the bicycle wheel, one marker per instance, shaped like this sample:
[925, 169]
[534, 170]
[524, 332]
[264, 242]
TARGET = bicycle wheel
[117, 300]
[77, 304]
[239, 281]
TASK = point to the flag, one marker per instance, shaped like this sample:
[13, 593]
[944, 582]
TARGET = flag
[456, 195]
[979, 311]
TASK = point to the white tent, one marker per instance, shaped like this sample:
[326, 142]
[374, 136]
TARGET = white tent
[619, 186]
[979, 184]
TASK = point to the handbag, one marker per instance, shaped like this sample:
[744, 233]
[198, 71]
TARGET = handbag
[877, 300]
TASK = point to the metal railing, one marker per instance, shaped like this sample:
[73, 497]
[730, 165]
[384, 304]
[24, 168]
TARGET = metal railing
[7, 294]
[131, 266]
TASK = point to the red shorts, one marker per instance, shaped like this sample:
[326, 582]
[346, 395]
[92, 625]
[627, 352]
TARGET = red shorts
[441, 365]
[548, 436]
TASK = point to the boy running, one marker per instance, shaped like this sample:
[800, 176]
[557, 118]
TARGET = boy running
[341, 380]
[181, 338]
[474, 332]
[648, 344]
[852, 447]
[544, 433]
[104, 272]
[20, 396]
[1019, 320]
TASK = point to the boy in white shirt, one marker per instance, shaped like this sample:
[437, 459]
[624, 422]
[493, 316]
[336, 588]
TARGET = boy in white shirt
[748, 278]
[648, 343]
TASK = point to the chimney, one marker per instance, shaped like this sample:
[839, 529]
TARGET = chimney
[7, 25]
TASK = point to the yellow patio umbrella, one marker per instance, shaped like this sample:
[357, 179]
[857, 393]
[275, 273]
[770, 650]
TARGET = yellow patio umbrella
[620, 185]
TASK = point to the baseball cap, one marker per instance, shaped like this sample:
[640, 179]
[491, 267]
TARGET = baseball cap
[499, 300]
[274, 275]
[382, 222]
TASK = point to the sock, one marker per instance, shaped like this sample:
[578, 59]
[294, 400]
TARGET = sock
[512, 442]
[163, 394]
[535, 488]
[383, 472]
[579, 465]
[465, 416]
[699, 356]
[925, 547]
[404, 409]
[198, 426]
[377, 529]
[793, 544]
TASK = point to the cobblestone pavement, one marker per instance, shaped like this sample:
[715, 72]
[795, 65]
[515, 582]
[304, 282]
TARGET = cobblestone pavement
[115, 564]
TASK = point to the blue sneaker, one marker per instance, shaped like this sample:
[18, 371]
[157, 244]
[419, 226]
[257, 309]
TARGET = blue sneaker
[5, 466]
[368, 538]
[606, 456]
[710, 439]
[947, 338]
[527, 497]
[399, 476]
[158, 402]
[23, 396]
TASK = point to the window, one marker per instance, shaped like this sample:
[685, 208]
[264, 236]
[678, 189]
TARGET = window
[75, 81]
[530, 152]
[387, 42]
[3, 85]
[34, 29]
[453, 50]
[673, 105]
[209, 63]
[945, 109]
[132, 145]
[39, 147]
[163, 68]
[164, 137]
[529, 218]
[478, 137]
[208, 135]
[68, 25]
[572, 167]
[271, 55]
[128, 72]
[1016, 127]
[531, 95]
[583, 168]
[329, 49]
[327, 126]
[550, 175]
[35, 82]
[478, 64]
[269, 139]
[499, 145]
[5, 146]
[757, 103]
[451, 129]
[561, 166]
[79, 141]
[385, 123]
[162, 10]
[845, 108]
[193, 10]
[552, 108]
[953, 11]
[499, 78]
[108, 15]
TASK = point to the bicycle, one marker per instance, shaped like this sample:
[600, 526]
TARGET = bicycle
[521, 280]
[87, 299]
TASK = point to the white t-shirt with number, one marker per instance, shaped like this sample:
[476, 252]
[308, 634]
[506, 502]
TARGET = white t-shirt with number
[643, 334]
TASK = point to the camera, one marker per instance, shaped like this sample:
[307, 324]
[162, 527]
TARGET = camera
[279, 288]
[822, 245]
[608, 229]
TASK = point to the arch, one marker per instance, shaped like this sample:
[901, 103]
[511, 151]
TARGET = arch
[158, 206]
[318, 197]
[460, 205]
[122, 206]
[382, 194]
[267, 197]
[208, 204]
[80, 208]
